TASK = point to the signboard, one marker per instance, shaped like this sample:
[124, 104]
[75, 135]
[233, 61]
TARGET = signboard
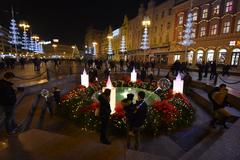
[234, 43]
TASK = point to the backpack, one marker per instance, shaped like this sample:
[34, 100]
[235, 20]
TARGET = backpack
[215, 89]
[7, 93]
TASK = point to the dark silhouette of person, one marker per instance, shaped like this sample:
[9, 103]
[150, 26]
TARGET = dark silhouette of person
[206, 68]
[200, 70]
[8, 99]
[213, 69]
[129, 109]
[139, 117]
[225, 70]
[104, 114]
[143, 74]
[187, 81]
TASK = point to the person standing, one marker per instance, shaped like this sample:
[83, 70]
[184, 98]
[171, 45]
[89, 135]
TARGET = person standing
[213, 69]
[129, 108]
[104, 114]
[206, 69]
[8, 99]
[139, 117]
[200, 70]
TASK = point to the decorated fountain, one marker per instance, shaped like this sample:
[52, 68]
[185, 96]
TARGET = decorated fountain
[168, 110]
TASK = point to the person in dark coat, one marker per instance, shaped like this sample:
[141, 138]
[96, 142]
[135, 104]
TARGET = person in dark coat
[8, 99]
[129, 109]
[206, 68]
[187, 81]
[213, 70]
[104, 114]
[139, 117]
[200, 70]
[143, 74]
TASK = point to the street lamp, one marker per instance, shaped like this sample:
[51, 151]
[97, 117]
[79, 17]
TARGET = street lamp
[110, 52]
[73, 47]
[94, 48]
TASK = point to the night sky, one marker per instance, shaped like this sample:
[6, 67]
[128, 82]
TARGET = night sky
[67, 20]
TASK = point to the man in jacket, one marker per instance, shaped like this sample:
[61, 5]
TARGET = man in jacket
[105, 111]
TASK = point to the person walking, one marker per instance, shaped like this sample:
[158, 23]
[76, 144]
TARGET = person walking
[218, 97]
[104, 114]
[8, 99]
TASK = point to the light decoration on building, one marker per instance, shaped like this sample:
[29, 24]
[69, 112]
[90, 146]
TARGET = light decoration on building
[187, 33]
[112, 95]
[133, 75]
[31, 45]
[178, 84]
[110, 52]
[85, 79]
[123, 45]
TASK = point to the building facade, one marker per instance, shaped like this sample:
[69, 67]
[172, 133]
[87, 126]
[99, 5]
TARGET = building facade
[215, 32]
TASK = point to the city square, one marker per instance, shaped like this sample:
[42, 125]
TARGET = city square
[150, 79]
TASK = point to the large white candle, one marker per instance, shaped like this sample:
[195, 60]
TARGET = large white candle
[178, 84]
[84, 79]
[133, 75]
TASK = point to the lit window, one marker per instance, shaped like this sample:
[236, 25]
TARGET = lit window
[216, 10]
[180, 20]
[222, 55]
[226, 27]
[195, 16]
[176, 57]
[229, 6]
[190, 57]
[203, 32]
[238, 25]
[194, 33]
[205, 13]
[210, 55]
[213, 30]
[199, 56]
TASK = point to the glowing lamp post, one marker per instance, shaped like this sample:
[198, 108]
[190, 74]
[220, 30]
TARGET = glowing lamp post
[178, 84]
[112, 95]
[133, 75]
[85, 79]
[94, 48]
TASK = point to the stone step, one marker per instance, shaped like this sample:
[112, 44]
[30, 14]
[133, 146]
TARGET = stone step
[202, 146]
[41, 145]
[226, 147]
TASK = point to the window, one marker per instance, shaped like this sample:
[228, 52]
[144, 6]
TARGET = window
[195, 16]
[190, 57]
[205, 13]
[161, 28]
[235, 57]
[194, 33]
[213, 30]
[180, 36]
[216, 10]
[238, 25]
[210, 55]
[180, 20]
[229, 6]
[176, 57]
[222, 55]
[226, 27]
[203, 32]
[199, 56]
